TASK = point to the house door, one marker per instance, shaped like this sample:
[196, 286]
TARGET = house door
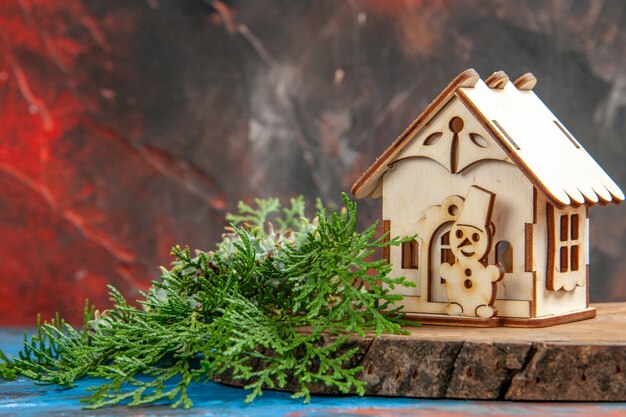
[440, 253]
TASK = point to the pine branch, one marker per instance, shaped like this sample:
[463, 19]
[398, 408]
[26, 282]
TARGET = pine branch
[236, 310]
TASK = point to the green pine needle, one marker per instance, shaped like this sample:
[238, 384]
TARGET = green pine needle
[237, 312]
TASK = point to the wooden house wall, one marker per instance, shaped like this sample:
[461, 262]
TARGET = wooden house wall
[417, 183]
[547, 301]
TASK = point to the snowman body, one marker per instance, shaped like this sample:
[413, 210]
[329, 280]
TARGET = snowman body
[469, 282]
[470, 287]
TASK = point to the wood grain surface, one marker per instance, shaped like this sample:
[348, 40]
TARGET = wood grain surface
[581, 361]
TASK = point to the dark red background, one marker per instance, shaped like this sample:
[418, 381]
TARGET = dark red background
[129, 126]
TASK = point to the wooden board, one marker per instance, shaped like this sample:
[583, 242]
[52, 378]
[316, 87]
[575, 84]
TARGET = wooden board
[24, 398]
[581, 361]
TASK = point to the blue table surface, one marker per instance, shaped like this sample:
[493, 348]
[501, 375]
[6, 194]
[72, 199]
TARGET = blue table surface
[24, 398]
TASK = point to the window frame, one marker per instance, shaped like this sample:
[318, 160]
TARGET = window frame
[409, 255]
[505, 259]
[446, 254]
[566, 229]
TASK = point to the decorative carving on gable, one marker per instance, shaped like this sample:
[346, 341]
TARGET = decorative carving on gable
[454, 139]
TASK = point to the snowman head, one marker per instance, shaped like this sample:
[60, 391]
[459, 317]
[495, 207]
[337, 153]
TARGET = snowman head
[469, 242]
[469, 236]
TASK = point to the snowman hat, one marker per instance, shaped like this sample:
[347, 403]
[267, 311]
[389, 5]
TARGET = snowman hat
[477, 208]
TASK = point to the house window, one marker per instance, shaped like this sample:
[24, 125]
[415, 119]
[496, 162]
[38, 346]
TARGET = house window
[566, 256]
[568, 246]
[410, 254]
[446, 250]
[504, 255]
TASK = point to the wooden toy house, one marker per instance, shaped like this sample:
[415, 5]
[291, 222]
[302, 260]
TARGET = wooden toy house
[497, 191]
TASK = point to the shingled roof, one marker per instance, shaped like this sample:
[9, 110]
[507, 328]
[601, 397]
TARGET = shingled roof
[534, 139]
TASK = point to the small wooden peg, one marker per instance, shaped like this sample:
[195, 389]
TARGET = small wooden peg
[526, 82]
[497, 80]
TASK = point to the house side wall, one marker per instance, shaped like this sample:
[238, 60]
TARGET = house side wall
[415, 184]
[549, 302]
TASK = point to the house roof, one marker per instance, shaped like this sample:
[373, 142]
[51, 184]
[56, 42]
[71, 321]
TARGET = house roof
[535, 140]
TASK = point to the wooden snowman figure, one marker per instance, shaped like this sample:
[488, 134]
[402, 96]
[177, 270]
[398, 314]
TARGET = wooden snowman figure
[470, 283]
